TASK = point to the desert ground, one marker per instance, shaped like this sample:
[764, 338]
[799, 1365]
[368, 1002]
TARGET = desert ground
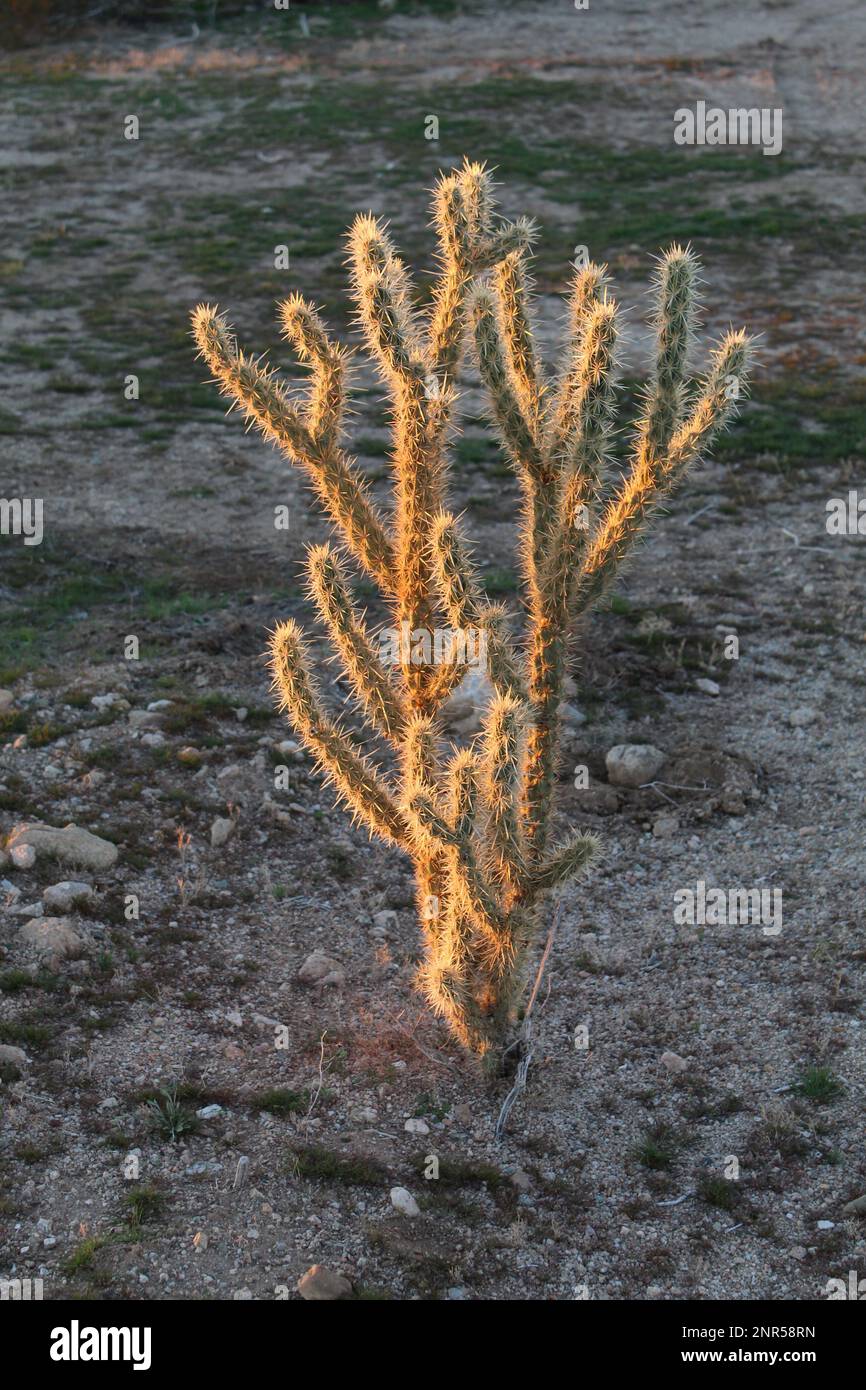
[186, 1112]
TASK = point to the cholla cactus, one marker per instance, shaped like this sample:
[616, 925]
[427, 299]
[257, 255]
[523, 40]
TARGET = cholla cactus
[475, 821]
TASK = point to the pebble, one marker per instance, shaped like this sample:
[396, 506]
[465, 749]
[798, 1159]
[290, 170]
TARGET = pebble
[221, 831]
[319, 969]
[707, 686]
[665, 826]
[109, 700]
[633, 764]
[826, 1225]
[209, 1112]
[385, 921]
[802, 716]
[13, 1056]
[62, 897]
[364, 1114]
[144, 719]
[51, 939]
[320, 1284]
[403, 1201]
[23, 856]
[570, 715]
[674, 1062]
[464, 708]
[415, 1127]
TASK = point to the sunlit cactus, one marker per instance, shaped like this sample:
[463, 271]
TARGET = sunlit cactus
[476, 822]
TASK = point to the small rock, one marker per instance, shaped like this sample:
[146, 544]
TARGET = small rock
[855, 1208]
[51, 939]
[404, 1202]
[385, 921]
[71, 845]
[12, 1055]
[633, 764]
[674, 1062]
[25, 909]
[144, 719]
[456, 1295]
[288, 748]
[62, 897]
[665, 826]
[571, 716]
[193, 757]
[108, 701]
[364, 1114]
[23, 856]
[320, 1284]
[209, 1112]
[826, 1225]
[319, 969]
[6, 699]
[416, 1127]
[464, 708]
[798, 1252]
[707, 686]
[156, 706]
[221, 831]
[802, 716]
[522, 1181]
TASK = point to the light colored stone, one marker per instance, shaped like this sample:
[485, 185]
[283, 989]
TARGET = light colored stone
[63, 897]
[6, 700]
[674, 1063]
[384, 921]
[665, 826]
[110, 700]
[855, 1208]
[633, 764]
[209, 1112]
[221, 831]
[12, 1056]
[144, 719]
[319, 969]
[23, 856]
[321, 1284]
[570, 715]
[403, 1201]
[51, 939]
[416, 1127]
[71, 845]
[465, 706]
[802, 716]
[708, 687]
